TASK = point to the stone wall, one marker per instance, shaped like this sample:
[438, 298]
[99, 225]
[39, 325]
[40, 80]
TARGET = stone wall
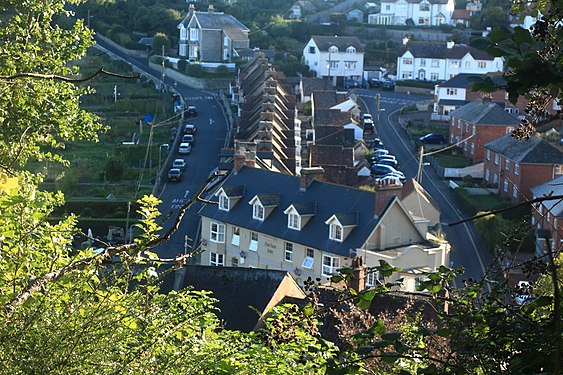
[129, 52]
[214, 84]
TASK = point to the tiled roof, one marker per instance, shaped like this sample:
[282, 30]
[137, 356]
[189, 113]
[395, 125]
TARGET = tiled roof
[553, 187]
[324, 117]
[439, 50]
[461, 14]
[485, 113]
[226, 22]
[329, 199]
[341, 42]
[532, 151]
[324, 98]
[315, 84]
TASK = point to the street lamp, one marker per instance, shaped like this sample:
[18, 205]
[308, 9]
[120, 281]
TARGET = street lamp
[160, 160]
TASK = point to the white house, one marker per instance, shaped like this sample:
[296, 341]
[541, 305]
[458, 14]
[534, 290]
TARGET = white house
[421, 12]
[336, 58]
[438, 61]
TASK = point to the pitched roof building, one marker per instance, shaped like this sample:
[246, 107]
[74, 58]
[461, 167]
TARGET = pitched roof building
[310, 228]
[211, 36]
[547, 217]
[515, 166]
[477, 123]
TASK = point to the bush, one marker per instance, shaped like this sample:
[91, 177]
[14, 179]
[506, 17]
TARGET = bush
[155, 59]
[194, 70]
[115, 169]
[182, 65]
[222, 69]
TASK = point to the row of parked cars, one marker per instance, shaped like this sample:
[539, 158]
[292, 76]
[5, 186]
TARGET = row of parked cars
[384, 165]
[185, 148]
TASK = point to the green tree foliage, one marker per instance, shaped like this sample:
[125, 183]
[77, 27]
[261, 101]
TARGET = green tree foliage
[160, 42]
[182, 65]
[194, 70]
[67, 311]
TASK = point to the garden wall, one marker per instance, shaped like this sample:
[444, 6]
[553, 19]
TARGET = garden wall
[214, 84]
[129, 52]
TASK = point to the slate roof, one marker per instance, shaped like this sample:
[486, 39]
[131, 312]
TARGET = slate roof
[347, 219]
[553, 187]
[533, 151]
[238, 290]
[485, 113]
[233, 191]
[324, 98]
[269, 200]
[221, 21]
[439, 50]
[324, 117]
[315, 84]
[305, 209]
[342, 42]
[458, 103]
[329, 199]
[465, 81]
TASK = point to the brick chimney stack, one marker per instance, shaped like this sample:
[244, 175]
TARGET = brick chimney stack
[241, 158]
[384, 194]
[308, 175]
[358, 283]
[211, 9]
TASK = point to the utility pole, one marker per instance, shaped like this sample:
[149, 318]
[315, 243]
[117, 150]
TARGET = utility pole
[378, 106]
[419, 173]
[163, 68]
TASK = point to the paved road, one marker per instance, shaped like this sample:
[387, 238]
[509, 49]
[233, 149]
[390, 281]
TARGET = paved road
[211, 126]
[468, 249]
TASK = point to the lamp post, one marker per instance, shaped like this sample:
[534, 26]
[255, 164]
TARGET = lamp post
[160, 161]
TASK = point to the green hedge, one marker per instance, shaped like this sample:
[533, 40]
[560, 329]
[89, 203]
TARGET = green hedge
[419, 84]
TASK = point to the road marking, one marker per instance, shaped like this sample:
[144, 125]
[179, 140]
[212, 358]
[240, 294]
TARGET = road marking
[199, 97]
[211, 121]
[186, 193]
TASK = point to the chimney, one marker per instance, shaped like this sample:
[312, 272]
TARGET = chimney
[191, 8]
[384, 194]
[450, 44]
[308, 175]
[239, 160]
[210, 9]
[405, 40]
[358, 283]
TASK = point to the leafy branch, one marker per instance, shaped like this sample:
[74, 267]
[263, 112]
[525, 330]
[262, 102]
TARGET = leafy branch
[57, 77]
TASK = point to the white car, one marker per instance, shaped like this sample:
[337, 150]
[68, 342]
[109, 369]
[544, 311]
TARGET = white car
[366, 116]
[179, 163]
[184, 148]
[380, 152]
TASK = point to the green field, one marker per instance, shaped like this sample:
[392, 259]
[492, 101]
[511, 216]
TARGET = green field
[110, 167]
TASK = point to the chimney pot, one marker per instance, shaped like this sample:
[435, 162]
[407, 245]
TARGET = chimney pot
[308, 175]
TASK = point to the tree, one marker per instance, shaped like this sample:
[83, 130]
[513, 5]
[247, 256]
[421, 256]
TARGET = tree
[160, 43]
[66, 310]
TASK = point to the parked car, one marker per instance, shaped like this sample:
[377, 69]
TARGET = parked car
[374, 82]
[388, 161]
[380, 170]
[175, 175]
[188, 138]
[433, 139]
[388, 180]
[191, 111]
[380, 152]
[179, 163]
[190, 129]
[374, 159]
[388, 85]
[185, 148]
[366, 116]
[368, 125]
[352, 84]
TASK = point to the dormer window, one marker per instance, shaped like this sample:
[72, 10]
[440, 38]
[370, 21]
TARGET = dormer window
[224, 203]
[335, 232]
[351, 49]
[294, 221]
[258, 211]
[333, 49]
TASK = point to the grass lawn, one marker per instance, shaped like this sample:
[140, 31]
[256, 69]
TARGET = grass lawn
[109, 166]
[476, 203]
[451, 161]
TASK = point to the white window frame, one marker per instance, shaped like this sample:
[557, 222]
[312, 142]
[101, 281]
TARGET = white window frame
[336, 232]
[224, 203]
[330, 265]
[472, 149]
[216, 234]
[288, 252]
[372, 277]
[507, 164]
[258, 211]
[407, 60]
[487, 174]
[235, 239]
[482, 64]
[505, 186]
[333, 49]
[194, 34]
[422, 62]
[350, 65]
[435, 63]
[497, 159]
[309, 260]
[333, 64]
[434, 76]
[253, 241]
[488, 154]
[351, 50]
[294, 221]
[516, 169]
[451, 91]
[559, 169]
[216, 259]
[514, 191]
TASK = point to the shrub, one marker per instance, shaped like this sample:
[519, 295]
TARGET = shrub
[115, 169]
[156, 59]
[222, 69]
[182, 65]
[194, 70]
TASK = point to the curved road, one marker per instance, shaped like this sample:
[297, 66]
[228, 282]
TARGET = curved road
[468, 248]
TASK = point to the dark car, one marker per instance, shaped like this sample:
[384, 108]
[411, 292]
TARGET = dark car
[175, 174]
[388, 85]
[433, 139]
[374, 82]
[190, 129]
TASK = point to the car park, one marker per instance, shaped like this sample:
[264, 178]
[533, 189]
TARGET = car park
[433, 139]
[175, 175]
[188, 138]
[179, 163]
[185, 148]
[190, 129]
